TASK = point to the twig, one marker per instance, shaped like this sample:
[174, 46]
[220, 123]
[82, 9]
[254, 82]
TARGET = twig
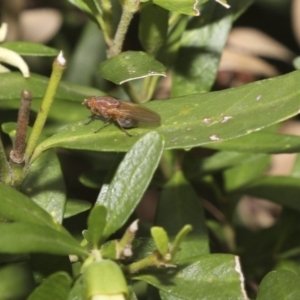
[17, 155]
[129, 9]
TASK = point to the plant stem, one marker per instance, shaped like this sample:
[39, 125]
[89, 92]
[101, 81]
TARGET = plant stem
[107, 19]
[126, 240]
[146, 262]
[105, 30]
[173, 18]
[58, 67]
[179, 238]
[131, 92]
[18, 152]
[17, 155]
[116, 47]
[129, 8]
[149, 86]
[166, 164]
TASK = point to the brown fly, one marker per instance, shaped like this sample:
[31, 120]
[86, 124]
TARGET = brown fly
[126, 114]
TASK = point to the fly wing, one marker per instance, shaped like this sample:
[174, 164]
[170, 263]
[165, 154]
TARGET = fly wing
[137, 112]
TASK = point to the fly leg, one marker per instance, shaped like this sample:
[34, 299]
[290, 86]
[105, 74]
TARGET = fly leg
[125, 131]
[106, 123]
[91, 119]
[122, 123]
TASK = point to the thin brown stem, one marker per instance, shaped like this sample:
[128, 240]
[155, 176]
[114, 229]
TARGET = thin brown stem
[17, 155]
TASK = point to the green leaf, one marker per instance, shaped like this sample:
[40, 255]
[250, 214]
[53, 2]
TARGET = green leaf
[131, 180]
[195, 168]
[91, 7]
[17, 207]
[10, 129]
[239, 7]
[110, 250]
[87, 74]
[30, 49]
[38, 239]
[296, 168]
[202, 45]
[278, 285]
[178, 206]
[198, 119]
[44, 184]
[39, 263]
[132, 295]
[131, 65]
[246, 172]
[187, 7]
[261, 142]
[58, 118]
[96, 224]
[75, 207]
[68, 98]
[153, 28]
[283, 190]
[104, 278]
[143, 246]
[169, 52]
[13, 83]
[288, 264]
[94, 6]
[81, 4]
[179, 238]
[289, 254]
[161, 239]
[76, 292]
[16, 281]
[93, 178]
[296, 63]
[211, 277]
[57, 286]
